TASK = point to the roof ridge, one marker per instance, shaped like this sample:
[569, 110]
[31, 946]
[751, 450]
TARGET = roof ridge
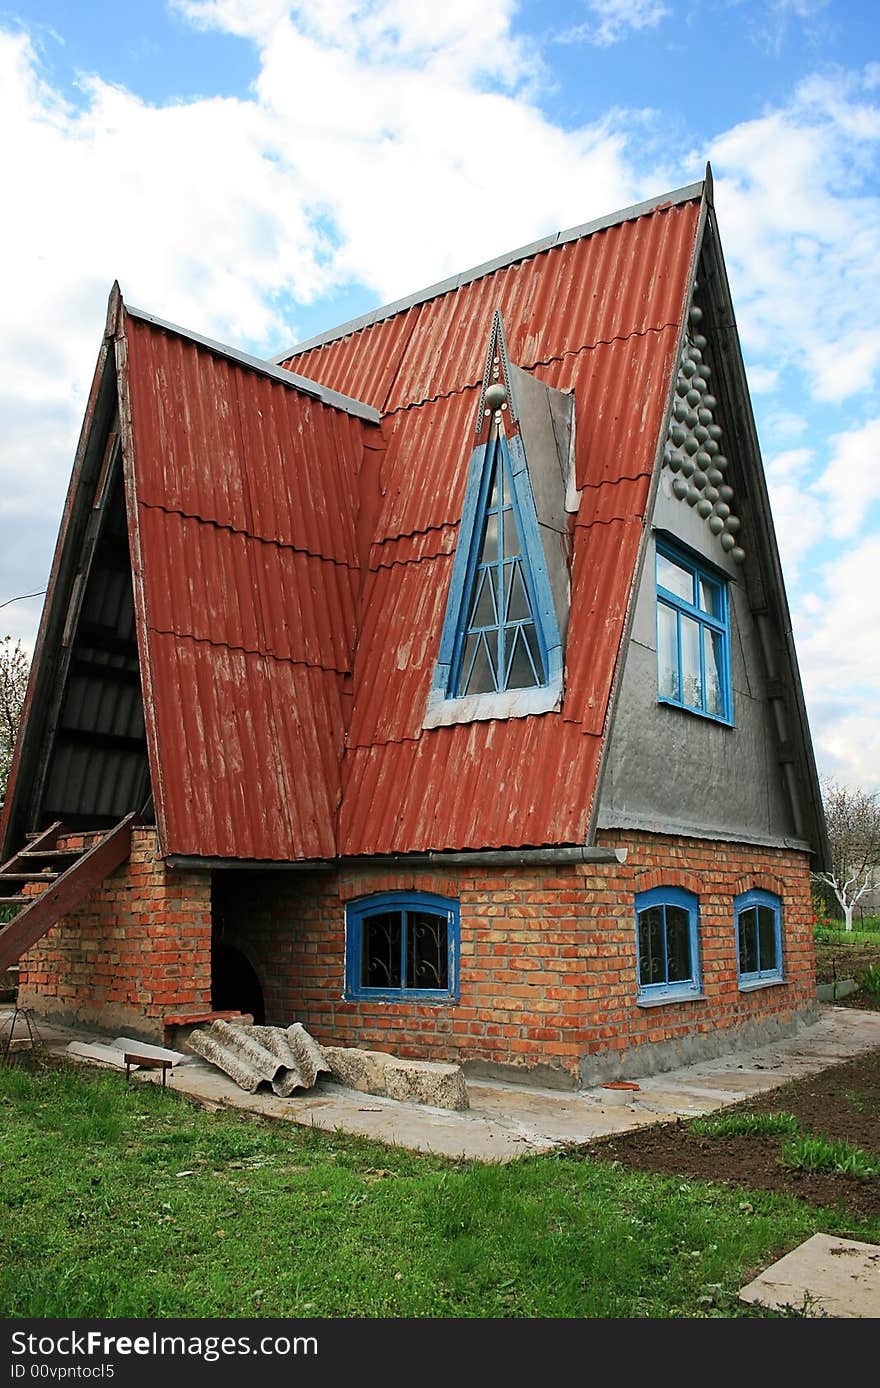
[689, 193]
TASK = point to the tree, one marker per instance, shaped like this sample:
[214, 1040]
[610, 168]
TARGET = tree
[853, 819]
[14, 668]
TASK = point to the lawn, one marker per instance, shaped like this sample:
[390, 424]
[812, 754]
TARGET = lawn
[125, 1201]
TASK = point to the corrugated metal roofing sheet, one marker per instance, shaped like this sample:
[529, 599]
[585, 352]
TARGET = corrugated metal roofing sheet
[469, 786]
[249, 752]
[286, 543]
[217, 441]
[624, 280]
[244, 498]
[222, 586]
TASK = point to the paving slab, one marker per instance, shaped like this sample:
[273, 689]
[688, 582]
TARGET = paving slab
[824, 1276]
[506, 1120]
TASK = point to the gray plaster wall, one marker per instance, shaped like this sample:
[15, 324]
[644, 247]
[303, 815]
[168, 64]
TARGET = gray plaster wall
[671, 771]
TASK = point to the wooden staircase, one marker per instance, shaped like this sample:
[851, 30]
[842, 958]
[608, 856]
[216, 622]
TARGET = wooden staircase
[67, 877]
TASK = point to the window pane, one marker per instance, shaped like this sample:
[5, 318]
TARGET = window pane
[672, 576]
[667, 652]
[482, 677]
[489, 551]
[483, 612]
[380, 950]
[767, 938]
[511, 538]
[713, 657]
[427, 952]
[691, 678]
[748, 941]
[652, 967]
[531, 636]
[678, 945]
[518, 609]
[467, 660]
[710, 597]
[520, 674]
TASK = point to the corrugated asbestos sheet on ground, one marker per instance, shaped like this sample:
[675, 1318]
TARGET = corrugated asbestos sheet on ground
[297, 560]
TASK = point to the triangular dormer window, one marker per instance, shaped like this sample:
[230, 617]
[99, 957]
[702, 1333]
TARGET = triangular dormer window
[501, 645]
[501, 649]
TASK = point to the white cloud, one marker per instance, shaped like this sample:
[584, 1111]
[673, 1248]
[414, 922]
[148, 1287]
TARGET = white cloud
[849, 480]
[786, 423]
[611, 21]
[372, 150]
[769, 27]
[801, 234]
[839, 656]
[797, 517]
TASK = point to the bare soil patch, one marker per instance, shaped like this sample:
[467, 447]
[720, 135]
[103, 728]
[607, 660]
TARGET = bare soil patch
[840, 1102]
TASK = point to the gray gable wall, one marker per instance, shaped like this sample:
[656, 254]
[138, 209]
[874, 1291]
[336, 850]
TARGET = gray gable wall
[671, 771]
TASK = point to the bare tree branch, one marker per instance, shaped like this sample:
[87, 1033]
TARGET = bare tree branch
[853, 819]
[14, 669]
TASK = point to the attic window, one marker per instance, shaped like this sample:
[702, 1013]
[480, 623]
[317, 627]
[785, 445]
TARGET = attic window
[502, 643]
[693, 636]
[500, 646]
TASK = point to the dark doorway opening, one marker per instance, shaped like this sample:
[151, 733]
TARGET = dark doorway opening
[234, 983]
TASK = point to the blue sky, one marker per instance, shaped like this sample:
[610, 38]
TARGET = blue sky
[259, 170]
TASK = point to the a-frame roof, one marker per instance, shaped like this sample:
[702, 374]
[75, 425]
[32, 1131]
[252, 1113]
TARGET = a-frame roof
[291, 555]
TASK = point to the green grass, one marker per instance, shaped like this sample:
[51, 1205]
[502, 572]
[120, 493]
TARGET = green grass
[826, 1154]
[870, 980]
[747, 1125]
[125, 1201]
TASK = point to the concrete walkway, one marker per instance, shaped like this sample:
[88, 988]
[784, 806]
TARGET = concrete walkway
[506, 1121]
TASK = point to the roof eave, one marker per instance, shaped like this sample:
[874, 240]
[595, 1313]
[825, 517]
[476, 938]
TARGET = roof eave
[292, 379]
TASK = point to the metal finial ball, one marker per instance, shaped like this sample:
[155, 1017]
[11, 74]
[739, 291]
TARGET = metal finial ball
[496, 396]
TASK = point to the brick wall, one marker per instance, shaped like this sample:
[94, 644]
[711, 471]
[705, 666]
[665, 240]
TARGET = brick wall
[548, 959]
[139, 949]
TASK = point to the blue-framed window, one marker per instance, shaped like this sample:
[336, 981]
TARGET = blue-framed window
[758, 916]
[402, 946]
[667, 943]
[500, 643]
[693, 635]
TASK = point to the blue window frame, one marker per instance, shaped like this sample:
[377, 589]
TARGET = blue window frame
[693, 635]
[500, 642]
[402, 946]
[758, 917]
[500, 650]
[667, 944]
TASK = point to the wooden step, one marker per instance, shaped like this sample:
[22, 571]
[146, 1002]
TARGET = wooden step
[16, 900]
[43, 854]
[27, 877]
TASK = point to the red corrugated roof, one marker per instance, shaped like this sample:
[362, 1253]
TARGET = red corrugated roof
[296, 559]
[244, 498]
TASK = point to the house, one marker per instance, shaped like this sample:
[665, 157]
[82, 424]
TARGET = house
[433, 686]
